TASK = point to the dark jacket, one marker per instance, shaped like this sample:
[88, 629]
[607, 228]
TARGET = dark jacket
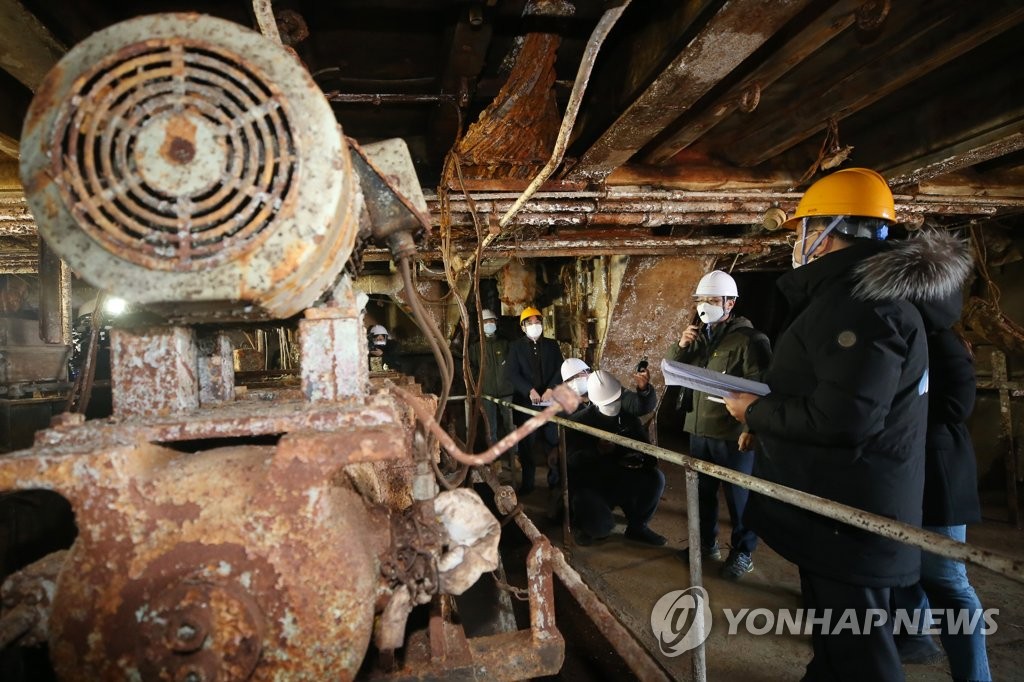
[951, 476]
[588, 467]
[847, 411]
[950, 470]
[495, 382]
[519, 368]
[734, 348]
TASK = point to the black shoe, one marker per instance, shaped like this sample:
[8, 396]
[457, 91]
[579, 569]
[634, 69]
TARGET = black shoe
[707, 553]
[645, 535]
[737, 565]
[918, 649]
[585, 539]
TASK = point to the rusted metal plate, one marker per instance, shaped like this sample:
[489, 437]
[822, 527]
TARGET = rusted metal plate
[654, 304]
[334, 365]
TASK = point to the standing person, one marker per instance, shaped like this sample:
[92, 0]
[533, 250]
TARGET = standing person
[491, 352]
[847, 411]
[729, 344]
[534, 362]
[950, 498]
[604, 475]
[384, 348]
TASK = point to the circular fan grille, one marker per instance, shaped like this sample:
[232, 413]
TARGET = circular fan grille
[175, 155]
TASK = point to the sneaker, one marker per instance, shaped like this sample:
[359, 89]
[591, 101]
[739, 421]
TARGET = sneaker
[707, 553]
[918, 649]
[645, 535]
[737, 565]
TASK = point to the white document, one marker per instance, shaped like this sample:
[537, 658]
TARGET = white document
[708, 381]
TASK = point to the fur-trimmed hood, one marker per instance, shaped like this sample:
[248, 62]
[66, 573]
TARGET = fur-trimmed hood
[931, 266]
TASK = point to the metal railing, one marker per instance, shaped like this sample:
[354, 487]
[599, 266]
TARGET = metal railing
[1002, 564]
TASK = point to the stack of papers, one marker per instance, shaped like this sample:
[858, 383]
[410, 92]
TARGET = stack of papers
[709, 381]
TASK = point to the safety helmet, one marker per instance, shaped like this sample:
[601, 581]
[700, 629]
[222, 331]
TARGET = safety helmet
[378, 329]
[488, 314]
[573, 366]
[603, 388]
[527, 313]
[716, 283]
[859, 192]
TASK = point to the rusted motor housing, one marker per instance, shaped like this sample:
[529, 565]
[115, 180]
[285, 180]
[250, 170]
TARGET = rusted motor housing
[223, 565]
[189, 164]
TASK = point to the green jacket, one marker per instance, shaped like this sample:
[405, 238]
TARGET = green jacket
[495, 354]
[735, 348]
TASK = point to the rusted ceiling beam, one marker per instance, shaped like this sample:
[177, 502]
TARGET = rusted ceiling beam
[27, 49]
[939, 40]
[988, 145]
[9, 147]
[969, 183]
[744, 95]
[19, 262]
[15, 219]
[730, 36]
[706, 178]
[615, 243]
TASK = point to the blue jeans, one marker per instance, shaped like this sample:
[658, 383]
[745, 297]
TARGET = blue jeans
[943, 586]
[724, 453]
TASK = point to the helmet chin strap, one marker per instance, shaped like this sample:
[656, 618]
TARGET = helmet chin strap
[817, 242]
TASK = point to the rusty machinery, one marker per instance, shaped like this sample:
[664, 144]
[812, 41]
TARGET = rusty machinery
[192, 166]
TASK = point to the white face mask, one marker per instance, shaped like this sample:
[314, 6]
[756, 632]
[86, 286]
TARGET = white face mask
[709, 314]
[534, 331]
[611, 409]
[798, 255]
[490, 328]
[579, 385]
[380, 343]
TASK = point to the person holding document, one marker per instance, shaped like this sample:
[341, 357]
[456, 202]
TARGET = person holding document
[729, 344]
[534, 369]
[847, 412]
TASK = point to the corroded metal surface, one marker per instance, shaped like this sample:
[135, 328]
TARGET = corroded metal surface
[153, 371]
[178, 158]
[215, 363]
[514, 135]
[25, 601]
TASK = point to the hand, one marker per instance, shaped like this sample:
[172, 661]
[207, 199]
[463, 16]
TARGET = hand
[737, 404]
[376, 352]
[689, 336]
[534, 396]
[643, 378]
[746, 441]
[548, 396]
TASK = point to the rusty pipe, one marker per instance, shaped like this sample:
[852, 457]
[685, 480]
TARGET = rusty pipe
[263, 10]
[565, 400]
[378, 98]
[618, 635]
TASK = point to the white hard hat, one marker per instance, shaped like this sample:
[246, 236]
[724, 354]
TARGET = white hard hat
[603, 388]
[378, 329]
[716, 283]
[488, 314]
[573, 366]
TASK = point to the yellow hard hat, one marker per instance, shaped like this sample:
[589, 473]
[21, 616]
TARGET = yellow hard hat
[850, 192]
[528, 312]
